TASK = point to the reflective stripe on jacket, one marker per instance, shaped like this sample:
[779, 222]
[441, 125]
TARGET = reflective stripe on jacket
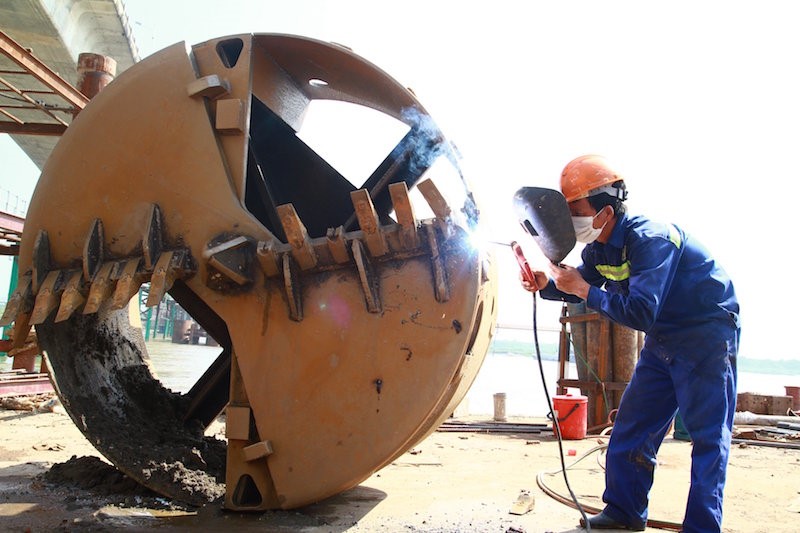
[656, 278]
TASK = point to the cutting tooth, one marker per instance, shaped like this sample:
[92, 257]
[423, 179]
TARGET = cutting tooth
[20, 302]
[369, 223]
[337, 245]
[434, 198]
[441, 288]
[297, 235]
[101, 287]
[438, 205]
[48, 297]
[152, 240]
[41, 260]
[268, 257]
[162, 279]
[128, 283]
[72, 298]
[404, 212]
[93, 250]
[293, 295]
[369, 283]
[167, 269]
[22, 326]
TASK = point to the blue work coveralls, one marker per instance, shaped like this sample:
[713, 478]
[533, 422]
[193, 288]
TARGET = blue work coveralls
[655, 278]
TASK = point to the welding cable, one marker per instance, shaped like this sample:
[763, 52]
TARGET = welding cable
[540, 481]
[555, 495]
[554, 417]
[601, 459]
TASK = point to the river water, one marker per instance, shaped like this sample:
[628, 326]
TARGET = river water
[519, 377]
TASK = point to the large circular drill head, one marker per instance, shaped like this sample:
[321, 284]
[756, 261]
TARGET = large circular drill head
[349, 328]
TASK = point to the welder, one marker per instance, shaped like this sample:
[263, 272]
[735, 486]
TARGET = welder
[656, 278]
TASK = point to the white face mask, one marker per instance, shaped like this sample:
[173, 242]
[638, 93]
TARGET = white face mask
[584, 231]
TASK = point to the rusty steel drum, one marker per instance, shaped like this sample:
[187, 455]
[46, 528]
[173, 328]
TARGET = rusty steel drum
[350, 327]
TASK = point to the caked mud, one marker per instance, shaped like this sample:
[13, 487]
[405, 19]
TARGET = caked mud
[106, 385]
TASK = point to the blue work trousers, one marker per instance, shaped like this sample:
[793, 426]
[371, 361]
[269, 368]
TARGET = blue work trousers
[703, 386]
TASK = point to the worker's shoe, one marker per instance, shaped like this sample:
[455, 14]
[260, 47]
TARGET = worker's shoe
[603, 521]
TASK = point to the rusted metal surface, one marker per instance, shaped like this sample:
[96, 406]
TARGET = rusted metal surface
[11, 227]
[34, 100]
[24, 352]
[610, 352]
[95, 71]
[349, 329]
[24, 383]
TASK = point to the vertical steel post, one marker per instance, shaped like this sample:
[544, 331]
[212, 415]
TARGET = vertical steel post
[171, 320]
[12, 286]
[147, 318]
[563, 351]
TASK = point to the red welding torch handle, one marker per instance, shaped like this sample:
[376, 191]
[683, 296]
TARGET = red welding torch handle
[527, 275]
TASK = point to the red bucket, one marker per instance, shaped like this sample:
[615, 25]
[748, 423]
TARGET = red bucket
[571, 413]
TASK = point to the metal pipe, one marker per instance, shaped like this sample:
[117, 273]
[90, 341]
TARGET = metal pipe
[753, 419]
[95, 71]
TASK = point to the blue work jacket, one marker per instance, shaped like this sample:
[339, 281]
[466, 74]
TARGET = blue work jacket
[655, 278]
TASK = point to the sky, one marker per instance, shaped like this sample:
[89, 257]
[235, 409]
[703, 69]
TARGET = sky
[696, 103]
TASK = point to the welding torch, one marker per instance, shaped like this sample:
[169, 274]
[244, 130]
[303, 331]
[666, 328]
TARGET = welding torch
[527, 273]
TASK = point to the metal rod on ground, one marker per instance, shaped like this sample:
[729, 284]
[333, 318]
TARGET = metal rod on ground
[767, 443]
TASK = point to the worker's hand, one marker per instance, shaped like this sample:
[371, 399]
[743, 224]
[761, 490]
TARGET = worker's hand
[540, 279]
[569, 280]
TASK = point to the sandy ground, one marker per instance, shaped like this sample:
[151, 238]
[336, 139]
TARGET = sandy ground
[452, 481]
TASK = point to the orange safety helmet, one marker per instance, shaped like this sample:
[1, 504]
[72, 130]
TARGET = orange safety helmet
[585, 174]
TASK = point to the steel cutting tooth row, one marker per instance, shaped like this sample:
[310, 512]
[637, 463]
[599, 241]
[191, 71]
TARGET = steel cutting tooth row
[101, 281]
[379, 240]
[373, 242]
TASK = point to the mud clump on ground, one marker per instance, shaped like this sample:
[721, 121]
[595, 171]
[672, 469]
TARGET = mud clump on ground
[38, 403]
[103, 481]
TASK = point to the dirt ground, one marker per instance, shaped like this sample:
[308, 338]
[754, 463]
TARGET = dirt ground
[52, 479]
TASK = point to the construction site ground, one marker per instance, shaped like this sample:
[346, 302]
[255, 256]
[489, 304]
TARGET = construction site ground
[452, 481]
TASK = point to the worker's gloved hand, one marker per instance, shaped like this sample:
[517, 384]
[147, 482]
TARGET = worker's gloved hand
[569, 280]
[540, 281]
